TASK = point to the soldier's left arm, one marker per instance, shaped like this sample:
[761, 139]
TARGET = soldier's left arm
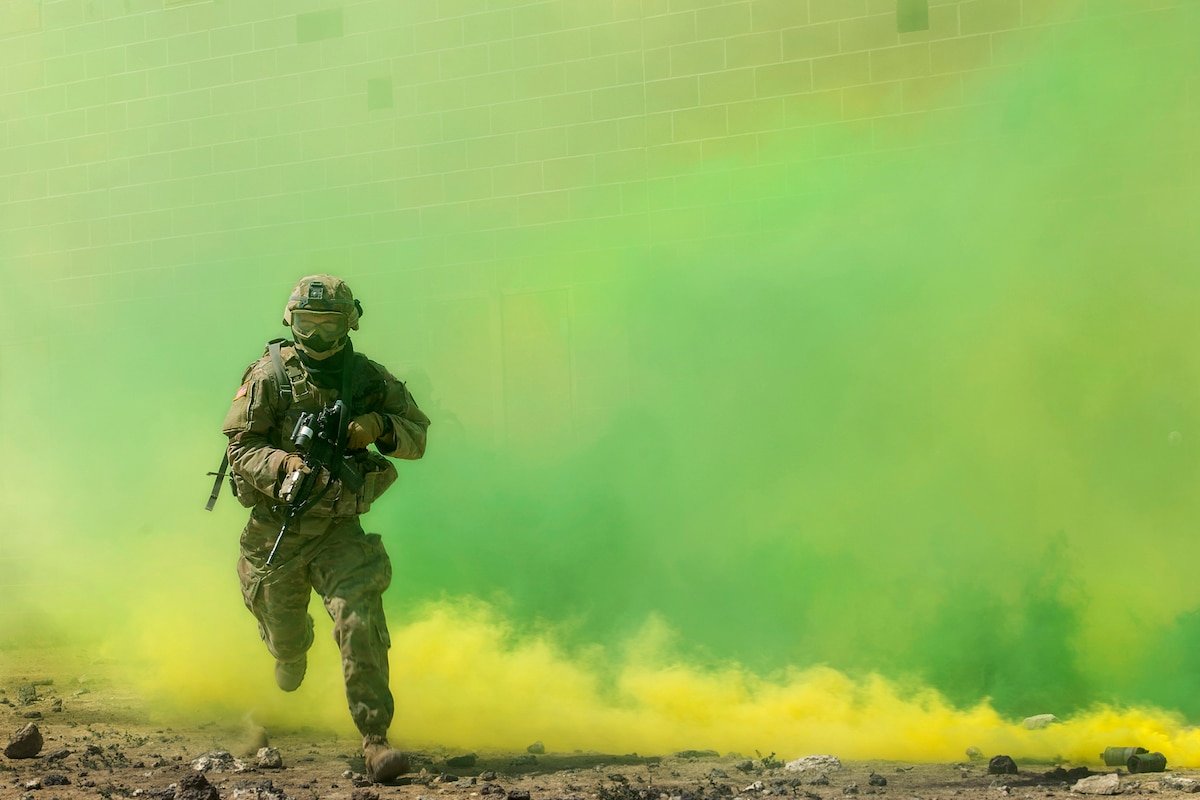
[404, 423]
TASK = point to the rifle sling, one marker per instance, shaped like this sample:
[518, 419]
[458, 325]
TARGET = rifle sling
[216, 490]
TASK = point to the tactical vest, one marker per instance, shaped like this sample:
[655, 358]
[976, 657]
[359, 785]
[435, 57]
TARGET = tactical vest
[295, 388]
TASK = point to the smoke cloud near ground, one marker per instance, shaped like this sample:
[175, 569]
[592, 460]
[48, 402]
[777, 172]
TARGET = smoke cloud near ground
[908, 452]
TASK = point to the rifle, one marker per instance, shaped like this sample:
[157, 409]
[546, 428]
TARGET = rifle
[321, 440]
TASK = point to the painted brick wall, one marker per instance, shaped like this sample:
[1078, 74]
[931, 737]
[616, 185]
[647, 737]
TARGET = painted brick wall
[485, 167]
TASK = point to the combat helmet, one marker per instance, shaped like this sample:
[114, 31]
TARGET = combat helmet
[321, 312]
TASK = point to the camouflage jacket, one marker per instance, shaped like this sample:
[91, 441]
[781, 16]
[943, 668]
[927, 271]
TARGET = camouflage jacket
[264, 413]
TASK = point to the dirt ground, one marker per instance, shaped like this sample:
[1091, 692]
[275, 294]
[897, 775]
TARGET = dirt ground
[96, 743]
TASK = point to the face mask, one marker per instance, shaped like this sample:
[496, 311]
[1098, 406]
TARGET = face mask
[319, 334]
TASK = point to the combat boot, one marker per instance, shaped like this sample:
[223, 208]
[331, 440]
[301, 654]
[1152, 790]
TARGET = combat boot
[383, 763]
[290, 674]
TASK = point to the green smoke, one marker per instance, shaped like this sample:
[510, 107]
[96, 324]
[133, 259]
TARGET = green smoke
[926, 411]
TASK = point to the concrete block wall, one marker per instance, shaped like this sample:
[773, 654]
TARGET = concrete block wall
[486, 168]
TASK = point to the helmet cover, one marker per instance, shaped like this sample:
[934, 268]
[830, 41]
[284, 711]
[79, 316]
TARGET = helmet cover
[321, 312]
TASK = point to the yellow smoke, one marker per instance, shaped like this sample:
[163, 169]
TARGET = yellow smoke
[464, 678]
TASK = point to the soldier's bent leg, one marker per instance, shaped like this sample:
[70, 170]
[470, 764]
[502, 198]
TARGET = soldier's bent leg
[281, 608]
[351, 575]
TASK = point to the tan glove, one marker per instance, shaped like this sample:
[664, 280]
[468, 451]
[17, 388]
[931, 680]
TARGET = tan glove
[292, 472]
[363, 430]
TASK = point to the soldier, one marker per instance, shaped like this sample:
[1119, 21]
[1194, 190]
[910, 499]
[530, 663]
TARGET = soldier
[326, 549]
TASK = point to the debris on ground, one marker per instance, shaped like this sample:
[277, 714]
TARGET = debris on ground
[196, 787]
[1180, 784]
[1099, 784]
[1060, 775]
[269, 758]
[25, 743]
[1002, 765]
[217, 761]
[819, 763]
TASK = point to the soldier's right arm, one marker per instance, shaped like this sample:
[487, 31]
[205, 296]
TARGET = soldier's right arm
[252, 426]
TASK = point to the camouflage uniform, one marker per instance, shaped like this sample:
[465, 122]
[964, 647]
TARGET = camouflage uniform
[327, 550]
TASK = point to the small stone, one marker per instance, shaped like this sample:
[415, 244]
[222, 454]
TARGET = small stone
[1099, 784]
[269, 758]
[57, 755]
[850, 788]
[1002, 765]
[54, 779]
[217, 761]
[518, 794]
[745, 765]
[757, 786]
[196, 787]
[364, 794]
[25, 743]
[465, 760]
[814, 764]
[1066, 775]
[537, 748]
[27, 694]
[1179, 784]
[877, 780]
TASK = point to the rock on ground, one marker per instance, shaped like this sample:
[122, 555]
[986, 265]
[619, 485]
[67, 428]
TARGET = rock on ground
[217, 761]
[1099, 784]
[269, 758]
[1179, 784]
[196, 787]
[25, 743]
[1002, 765]
[814, 764]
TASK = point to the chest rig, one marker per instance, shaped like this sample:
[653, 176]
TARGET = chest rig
[296, 393]
[294, 385]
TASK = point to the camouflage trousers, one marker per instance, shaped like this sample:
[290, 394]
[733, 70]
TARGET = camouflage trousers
[350, 570]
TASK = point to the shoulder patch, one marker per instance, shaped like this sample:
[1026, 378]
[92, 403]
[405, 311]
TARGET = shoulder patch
[241, 392]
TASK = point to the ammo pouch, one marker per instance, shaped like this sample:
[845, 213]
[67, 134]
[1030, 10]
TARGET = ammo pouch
[246, 494]
[378, 474]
